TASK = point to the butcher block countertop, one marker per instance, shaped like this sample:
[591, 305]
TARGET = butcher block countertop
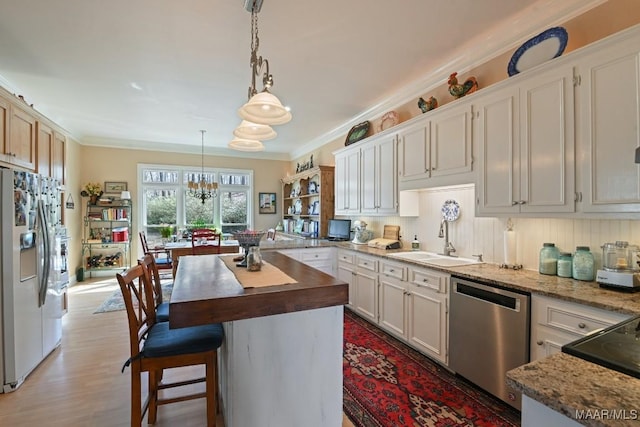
[206, 291]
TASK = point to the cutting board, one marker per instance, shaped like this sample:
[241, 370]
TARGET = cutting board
[391, 232]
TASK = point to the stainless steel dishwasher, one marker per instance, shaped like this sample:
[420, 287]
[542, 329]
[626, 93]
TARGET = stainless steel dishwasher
[488, 335]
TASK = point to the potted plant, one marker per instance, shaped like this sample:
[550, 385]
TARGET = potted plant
[93, 190]
[166, 231]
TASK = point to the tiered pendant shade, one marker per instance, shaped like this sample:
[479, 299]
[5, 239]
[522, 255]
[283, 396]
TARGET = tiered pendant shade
[265, 108]
[246, 145]
[249, 130]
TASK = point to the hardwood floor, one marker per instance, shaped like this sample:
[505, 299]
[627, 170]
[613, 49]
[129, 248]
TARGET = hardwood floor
[80, 383]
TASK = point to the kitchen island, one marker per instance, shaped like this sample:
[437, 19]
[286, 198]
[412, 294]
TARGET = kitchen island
[281, 361]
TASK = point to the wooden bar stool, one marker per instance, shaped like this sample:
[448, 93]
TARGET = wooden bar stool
[148, 262]
[154, 347]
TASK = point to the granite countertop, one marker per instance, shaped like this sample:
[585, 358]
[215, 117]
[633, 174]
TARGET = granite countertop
[587, 293]
[570, 385]
[562, 382]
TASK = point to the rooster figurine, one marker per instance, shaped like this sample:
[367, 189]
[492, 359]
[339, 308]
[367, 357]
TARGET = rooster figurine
[427, 105]
[459, 90]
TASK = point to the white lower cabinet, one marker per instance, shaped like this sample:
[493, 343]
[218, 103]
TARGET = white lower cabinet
[291, 253]
[555, 323]
[322, 259]
[427, 311]
[366, 287]
[346, 272]
[393, 298]
[414, 307]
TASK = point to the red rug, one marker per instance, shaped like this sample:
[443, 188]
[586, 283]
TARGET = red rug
[386, 383]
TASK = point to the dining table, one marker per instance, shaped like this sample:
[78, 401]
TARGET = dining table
[185, 247]
[281, 359]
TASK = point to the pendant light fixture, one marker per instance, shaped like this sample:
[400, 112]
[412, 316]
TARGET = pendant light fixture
[249, 130]
[241, 144]
[264, 107]
[201, 188]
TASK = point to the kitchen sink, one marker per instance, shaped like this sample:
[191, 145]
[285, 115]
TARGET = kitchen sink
[431, 258]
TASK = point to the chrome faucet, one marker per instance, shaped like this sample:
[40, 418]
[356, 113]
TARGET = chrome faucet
[444, 232]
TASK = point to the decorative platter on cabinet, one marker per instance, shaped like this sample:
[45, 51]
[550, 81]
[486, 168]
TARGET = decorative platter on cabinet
[545, 46]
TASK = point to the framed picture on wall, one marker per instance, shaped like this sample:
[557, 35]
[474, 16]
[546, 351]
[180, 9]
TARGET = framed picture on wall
[114, 187]
[267, 203]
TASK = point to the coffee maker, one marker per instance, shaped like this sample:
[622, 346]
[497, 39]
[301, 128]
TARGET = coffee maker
[621, 268]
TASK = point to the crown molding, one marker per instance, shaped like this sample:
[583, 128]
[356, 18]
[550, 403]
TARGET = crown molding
[500, 39]
[132, 144]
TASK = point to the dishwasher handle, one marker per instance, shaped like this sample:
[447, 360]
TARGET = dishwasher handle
[500, 299]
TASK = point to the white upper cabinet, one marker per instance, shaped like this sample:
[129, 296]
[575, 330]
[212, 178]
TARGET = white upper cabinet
[525, 138]
[379, 184]
[347, 184]
[413, 151]
[366, 178]
[609, 126]
[437, 145]
[451, 140]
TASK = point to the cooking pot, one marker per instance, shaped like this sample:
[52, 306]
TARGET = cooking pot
[620, 256]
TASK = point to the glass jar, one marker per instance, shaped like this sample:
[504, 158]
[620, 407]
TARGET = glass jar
[583, 264]
[565, 264]
[254, 259]
[548, 263]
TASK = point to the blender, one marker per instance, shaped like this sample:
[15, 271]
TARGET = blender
[621, 269]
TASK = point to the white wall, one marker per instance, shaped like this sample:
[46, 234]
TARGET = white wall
[471, 235]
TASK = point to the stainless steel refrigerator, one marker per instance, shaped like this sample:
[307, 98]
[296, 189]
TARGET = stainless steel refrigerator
[30, 287]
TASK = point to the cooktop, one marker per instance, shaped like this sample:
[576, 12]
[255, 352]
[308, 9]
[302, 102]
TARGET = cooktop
[616, 347]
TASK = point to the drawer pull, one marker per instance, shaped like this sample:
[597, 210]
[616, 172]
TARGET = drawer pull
[581, 325]
[539, 342]
[425, 280]
[391, 270]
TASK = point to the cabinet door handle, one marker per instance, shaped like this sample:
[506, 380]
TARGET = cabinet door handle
[522, 202]
[514, 203]
[581, 325]
[539, 342]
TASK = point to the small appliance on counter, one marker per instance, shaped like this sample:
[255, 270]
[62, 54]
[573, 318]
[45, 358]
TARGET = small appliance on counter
[361, 235]
[620, 268]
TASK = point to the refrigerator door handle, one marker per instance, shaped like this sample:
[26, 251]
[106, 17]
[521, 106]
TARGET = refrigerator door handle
[44, 232]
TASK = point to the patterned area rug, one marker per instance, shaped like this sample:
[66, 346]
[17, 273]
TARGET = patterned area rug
[115, 301]
[386, 383]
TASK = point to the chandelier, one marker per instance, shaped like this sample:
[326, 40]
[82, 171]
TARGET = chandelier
[263, 109]
[202, 189]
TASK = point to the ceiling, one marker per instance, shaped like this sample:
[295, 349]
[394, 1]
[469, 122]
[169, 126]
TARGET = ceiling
[150, 74]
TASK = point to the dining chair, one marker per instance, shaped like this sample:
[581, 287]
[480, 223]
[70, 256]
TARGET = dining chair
[148, 262]
[205, 241]
[154, 347]
[162, 256]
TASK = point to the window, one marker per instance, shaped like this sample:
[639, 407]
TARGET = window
[165, 200]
